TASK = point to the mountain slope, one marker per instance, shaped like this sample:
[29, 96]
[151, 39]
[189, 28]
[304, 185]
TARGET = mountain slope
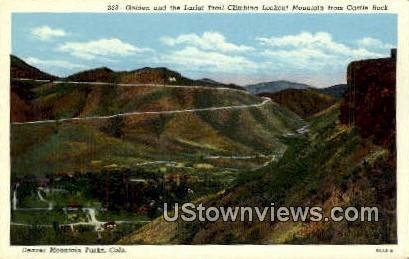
[347, 159]
[20, 69]
[102, 74]
[146, 75]
[274, 86]
[20, 91]
[332, 166]
[172, 123]
[72, 146]
[335, 91]
[304, 102]
[66, 100]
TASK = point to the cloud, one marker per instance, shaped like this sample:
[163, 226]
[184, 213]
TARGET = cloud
[298, 58]
[210, 52]
[207, 41]
[53, 63]
[102, 48]
[300, 40]
[312, 52]
[369, 42]
[192, 58]
[46, 33]
[322, 41]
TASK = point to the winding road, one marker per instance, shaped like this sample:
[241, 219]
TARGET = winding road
[233, 107]
[122, 84]
[264, 102]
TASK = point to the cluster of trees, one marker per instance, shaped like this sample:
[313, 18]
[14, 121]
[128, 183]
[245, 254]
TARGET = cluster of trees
[127, 190]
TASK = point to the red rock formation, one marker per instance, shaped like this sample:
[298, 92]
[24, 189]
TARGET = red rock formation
[369, 104]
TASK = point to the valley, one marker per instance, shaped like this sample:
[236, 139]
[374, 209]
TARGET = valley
[117, 150]
[95, 155]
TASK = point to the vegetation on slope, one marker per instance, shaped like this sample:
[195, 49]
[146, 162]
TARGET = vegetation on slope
[146, 75]
[70, 146]
[274, 86]
[67, 100]
[304, 102]
[332, 166]
[127, 141]
[20, 69]
[335, 91]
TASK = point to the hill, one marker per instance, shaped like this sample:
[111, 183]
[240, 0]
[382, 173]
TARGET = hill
[332, 166]
[304, 102]
[335, 91]
[20, 69]
[274, 86]
[346, 159]
[36, 100]
[146, 75]
[132, 148]
[126, 125]
[102, 74]
[120, 145]
[66, 100]
[20, 91]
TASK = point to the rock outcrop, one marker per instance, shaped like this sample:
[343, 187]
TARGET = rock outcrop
[369, 104]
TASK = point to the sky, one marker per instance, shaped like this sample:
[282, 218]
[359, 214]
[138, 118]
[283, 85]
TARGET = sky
[230, 48]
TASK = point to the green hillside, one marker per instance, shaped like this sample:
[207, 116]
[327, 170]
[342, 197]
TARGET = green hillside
[67, 100]
[115, 153]
[332, 165]
[80, 145]
[117, 149]
[335, 91]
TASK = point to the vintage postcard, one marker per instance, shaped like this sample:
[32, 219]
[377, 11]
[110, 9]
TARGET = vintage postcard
[204, 129]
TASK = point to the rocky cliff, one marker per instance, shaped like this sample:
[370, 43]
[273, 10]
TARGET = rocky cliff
[369, 104]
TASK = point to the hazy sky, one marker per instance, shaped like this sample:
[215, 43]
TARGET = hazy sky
[238, 48]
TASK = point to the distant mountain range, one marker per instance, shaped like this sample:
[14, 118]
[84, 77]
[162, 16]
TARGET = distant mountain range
[335, 91]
